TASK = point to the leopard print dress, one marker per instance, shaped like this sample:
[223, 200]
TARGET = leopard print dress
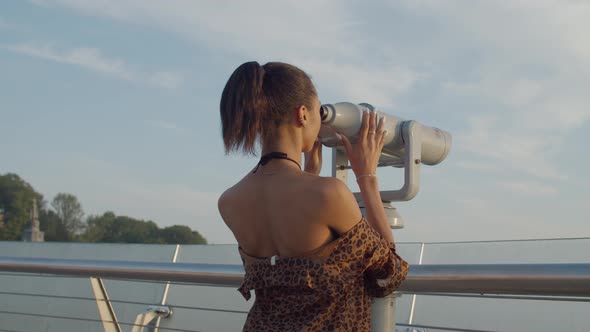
[329, 289]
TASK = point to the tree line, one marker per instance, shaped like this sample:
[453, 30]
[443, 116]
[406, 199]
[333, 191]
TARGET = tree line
[63, 220]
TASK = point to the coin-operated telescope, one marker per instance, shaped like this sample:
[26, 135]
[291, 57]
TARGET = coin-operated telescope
[408, 144]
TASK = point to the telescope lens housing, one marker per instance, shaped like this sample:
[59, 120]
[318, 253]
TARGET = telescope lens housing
[346, 119]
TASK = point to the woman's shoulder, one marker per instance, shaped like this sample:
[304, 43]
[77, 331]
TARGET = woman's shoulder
[226, 197]
[226, 201]
[329, 187]
[338, 206]
[329, 192]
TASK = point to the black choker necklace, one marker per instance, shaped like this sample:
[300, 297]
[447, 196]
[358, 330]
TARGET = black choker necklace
[274, 155]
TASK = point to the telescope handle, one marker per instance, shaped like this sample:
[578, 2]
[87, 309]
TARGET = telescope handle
[412, 162]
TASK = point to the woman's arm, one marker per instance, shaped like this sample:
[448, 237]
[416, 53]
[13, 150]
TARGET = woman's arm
[313, 158]
[364, 158]
[374, 206]
[342, 211]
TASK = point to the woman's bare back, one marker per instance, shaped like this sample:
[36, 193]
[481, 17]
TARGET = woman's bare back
[282, 214]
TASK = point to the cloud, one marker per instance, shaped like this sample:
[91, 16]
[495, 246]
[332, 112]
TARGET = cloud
[477, 166]
[8, 25]
[529, 188]
[331, 47]
[378, 86]
[167, 79]
[527, 74]
[530, 71]
[166, 126]
[93, 59]
[481, 210]
[239, 26]
[489, 137]
[89, 58]
[513, 74]
[4, 25]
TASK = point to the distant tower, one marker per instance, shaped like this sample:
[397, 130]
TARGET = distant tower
[33, 234]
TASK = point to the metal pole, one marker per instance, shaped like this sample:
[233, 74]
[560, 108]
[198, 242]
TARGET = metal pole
[106, 312]
[383, 314]
[382, 309]
[166, 288]
[339, 165]
[413, 307]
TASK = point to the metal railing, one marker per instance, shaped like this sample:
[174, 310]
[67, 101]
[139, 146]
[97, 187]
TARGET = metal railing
[544, 281]
[510, 279]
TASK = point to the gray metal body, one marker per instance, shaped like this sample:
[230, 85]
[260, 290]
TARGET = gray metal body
[408, 144]
[345, 118]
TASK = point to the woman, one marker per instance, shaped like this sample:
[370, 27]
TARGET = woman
[312, 259]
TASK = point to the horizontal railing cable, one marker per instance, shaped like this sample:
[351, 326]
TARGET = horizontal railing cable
[498, 241]
[88, 320]
[155, 282]
[172, 305]
[509, 297]
[443, 328]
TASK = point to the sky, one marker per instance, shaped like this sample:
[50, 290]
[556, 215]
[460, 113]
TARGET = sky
[117, 102]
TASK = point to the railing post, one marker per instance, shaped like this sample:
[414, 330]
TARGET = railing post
[105, 308]
[166, 289]
[413, 306]
[383, 313]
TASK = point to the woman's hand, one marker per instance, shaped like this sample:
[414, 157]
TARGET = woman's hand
[365, 153]
[313, 158]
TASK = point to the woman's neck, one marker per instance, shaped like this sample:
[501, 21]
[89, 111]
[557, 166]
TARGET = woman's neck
[290, 147]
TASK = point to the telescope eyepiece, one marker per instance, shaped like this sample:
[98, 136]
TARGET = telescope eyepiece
[323, 112]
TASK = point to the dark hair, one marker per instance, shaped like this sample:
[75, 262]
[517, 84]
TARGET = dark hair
[256, 100]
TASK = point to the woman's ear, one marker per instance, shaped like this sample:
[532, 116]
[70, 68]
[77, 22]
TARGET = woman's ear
[301, 115]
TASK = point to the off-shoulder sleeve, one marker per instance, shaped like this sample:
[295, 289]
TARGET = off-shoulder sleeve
[385, 269]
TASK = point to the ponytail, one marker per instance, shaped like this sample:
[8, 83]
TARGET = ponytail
[243, 105]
